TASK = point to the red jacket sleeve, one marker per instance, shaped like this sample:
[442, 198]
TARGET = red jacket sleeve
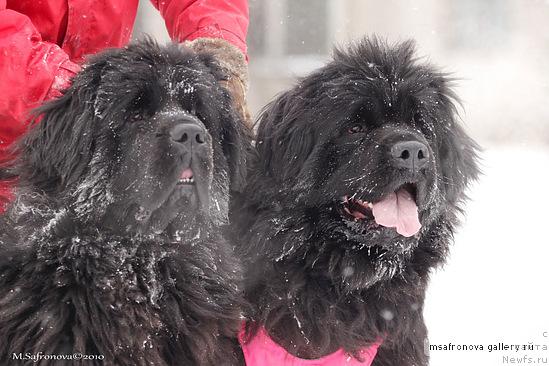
[30, 72]
[190, 19]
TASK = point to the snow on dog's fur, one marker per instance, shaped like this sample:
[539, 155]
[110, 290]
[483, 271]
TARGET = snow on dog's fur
[351, 201]
[113, 244]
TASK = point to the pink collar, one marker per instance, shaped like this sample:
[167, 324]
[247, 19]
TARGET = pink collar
[263, 351]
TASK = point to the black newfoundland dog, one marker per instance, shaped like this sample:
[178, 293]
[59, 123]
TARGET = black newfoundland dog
[351, 202]
[112, 250]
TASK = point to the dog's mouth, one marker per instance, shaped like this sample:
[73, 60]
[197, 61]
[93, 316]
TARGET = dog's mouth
[397, 210]
[192, 188]
[186, 178]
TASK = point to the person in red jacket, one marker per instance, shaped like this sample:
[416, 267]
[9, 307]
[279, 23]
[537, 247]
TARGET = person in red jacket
[43, 43]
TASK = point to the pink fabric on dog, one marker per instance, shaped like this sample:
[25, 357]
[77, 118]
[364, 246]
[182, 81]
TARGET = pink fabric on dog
[263, 351]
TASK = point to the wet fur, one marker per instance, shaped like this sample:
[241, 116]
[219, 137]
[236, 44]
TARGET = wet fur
[77, 275]
[315, 283]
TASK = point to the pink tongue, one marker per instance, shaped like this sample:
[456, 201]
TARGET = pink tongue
[187, 173]
[398, 210]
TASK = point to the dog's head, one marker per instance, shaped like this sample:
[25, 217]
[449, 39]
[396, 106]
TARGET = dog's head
[367, 150]
[145, 139]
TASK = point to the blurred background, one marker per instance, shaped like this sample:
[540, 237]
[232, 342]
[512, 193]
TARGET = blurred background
[495, 287]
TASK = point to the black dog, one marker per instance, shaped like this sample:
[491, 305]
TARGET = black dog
[113, 246]
[353, 199]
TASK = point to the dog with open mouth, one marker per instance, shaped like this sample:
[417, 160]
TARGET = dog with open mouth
[351, 201]
[113, 247]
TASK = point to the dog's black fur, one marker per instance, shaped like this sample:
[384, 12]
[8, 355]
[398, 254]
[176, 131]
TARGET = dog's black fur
[318, 280]
[104, 251]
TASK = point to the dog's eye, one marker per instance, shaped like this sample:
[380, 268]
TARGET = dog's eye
[356, 129]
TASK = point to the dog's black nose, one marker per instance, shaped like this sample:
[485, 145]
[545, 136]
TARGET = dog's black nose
[412, 155]
[187, 133]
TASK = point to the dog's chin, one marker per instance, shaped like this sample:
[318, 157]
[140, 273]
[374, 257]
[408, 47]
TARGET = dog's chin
[182, 206]
[377, 239]
[186, 204]
[363, 267]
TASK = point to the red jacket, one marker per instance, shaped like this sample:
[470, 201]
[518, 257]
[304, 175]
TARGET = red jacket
[42, 43]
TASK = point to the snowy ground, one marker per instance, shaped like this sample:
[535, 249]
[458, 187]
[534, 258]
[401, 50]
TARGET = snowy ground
[494, 288]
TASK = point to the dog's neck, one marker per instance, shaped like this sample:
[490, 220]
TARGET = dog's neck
[311, 312]
[312, 319]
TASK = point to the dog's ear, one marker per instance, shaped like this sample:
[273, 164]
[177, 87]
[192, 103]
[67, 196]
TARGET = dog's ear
[462, 151]
[455, 145]
[59, 146]
[284, 139]
[236, 142]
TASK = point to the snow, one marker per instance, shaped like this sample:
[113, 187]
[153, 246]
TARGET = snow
[494, 288]
[57, 217]
[184, 85]
[387, 314]
[348, 271]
